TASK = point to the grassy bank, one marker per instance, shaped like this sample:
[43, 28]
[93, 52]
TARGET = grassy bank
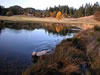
[70, 54]
[82, 20]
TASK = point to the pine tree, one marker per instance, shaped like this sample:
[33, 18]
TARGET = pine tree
[81, 11]
[71, 11]
[88, 9]
[96, 7]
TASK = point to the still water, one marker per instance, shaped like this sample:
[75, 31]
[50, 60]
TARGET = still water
[17, 45]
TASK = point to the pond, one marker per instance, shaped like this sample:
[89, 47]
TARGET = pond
[17, 44]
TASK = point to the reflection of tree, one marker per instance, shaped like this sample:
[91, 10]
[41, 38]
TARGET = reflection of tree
[54, 29]
[0, 30]
[59, 28]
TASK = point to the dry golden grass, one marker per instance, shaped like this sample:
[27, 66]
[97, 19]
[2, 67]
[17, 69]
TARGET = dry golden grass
[84, 20]
[71, 68]
[65, 59]
[68, 56]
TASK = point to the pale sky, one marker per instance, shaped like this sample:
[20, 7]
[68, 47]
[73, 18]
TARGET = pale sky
[43, 4]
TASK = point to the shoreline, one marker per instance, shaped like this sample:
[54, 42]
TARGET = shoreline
[28, 19]
[70, 55]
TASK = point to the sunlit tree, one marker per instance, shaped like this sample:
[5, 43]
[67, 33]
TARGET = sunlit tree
[59, 16]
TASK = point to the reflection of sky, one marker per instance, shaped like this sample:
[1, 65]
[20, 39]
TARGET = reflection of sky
[26, 40]
[19, 44]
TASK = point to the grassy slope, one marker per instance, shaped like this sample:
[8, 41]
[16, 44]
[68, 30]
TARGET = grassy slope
[84, 20]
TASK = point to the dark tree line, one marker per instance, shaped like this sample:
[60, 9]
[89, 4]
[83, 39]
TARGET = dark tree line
[67, 11]
[17, 10]
[3, 10]
[86, 10]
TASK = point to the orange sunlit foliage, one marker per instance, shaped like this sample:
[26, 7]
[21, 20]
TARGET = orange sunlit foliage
[59, 16]
[59, 28]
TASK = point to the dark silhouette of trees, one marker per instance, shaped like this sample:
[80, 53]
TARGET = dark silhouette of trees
[96, 7]
[17, 10]
[9, 13]
[71, 11]
[1, 8]
[81, 11]
[29, 10]
[86, 10]
[67, 11]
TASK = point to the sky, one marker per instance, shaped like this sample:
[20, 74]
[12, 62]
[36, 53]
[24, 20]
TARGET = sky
[43, 4]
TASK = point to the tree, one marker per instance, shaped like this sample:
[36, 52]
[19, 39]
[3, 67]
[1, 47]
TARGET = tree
[88, 9]
[9, 13]
[71, 11]
[65, 15]
[59, 16]
[33, 13]
[81, 11]
[38, 14]
[29, 10]
[75, 14]
[50, 13]
[1, 8]
[96, 7]
[97, 16]
[17, 10]
[53, 14]
[46, 13]
[25, 13]
[51, 9]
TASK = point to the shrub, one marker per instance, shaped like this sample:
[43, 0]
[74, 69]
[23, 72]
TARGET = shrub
[96, 28]
[25, 13]
[9, 13]
[53, 14]
[98, 39]
[38, 14]
[97, 16]
[69, 39]
[65, 15]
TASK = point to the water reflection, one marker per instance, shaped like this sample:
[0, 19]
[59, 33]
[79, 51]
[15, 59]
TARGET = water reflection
[51, 29]
[17, 42]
